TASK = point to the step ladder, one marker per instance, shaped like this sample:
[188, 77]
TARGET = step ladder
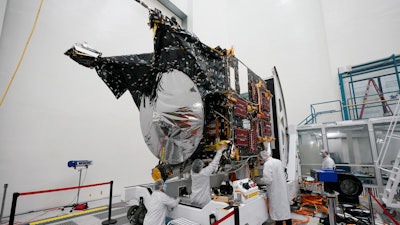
[391, 195]
[385, 105]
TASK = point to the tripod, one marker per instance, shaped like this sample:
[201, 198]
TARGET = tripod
[77, 205]
[82, 205]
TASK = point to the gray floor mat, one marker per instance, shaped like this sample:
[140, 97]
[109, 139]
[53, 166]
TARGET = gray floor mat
[115, 212]
[67, 223]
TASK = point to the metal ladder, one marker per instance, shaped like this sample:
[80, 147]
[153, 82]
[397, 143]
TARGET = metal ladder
[385, 105]
[390, 191]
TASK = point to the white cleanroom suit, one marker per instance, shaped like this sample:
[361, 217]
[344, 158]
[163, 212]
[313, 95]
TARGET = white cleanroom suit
[275, 179]
[157, 208]
[200, 195]
[328, 163]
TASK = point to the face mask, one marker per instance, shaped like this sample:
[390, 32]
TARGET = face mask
[165, 187]
[320, 154]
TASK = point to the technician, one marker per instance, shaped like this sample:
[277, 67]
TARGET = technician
[275, 179]
[327, 161]
[201, 195]
[158, 205]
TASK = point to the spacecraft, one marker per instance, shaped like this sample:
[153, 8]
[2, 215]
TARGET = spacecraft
[189, 98]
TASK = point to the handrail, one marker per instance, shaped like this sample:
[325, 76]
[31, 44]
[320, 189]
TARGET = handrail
[307, 119]
[389, 134]
[312, 117]
[368, 104]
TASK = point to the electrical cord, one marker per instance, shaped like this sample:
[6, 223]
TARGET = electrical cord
[23, 54]
[71, 203]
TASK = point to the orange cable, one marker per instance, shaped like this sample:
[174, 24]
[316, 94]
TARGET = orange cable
[23, 53]
[297, 222]
[315, 201]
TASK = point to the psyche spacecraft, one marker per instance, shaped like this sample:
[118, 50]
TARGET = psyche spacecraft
[189, 98]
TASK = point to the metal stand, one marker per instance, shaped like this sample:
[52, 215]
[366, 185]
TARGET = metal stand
[79, 184]
[332, 208]
[77, 206]
[371, 207]
[82, 205]
[109, 220]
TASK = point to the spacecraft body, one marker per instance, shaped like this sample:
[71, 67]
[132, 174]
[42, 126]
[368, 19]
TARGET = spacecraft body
[188, 95]
[189, 99]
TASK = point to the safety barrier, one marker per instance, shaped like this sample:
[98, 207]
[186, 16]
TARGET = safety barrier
[383, 208]
[17, 194]
[234, 213]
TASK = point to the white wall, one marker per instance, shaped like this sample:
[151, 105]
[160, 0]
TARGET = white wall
[57, 110]
[287, 34]
[360, 31]
[306, 40]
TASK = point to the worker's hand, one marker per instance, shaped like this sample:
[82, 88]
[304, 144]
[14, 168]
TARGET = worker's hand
[222, 145]
[206, 161]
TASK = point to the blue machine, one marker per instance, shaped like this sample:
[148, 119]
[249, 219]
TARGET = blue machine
[79, 163]
[348, 185]
[326, 175]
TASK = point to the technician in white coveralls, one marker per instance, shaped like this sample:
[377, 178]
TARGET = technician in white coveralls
[327, 161]
[201, 195]
[275, 179]
[158, 205]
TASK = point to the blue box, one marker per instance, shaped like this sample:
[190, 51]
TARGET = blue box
[325, 175]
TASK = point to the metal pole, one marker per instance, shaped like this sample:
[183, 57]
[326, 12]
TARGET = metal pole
[79, 184]
[3, 201]
[110, 221]
[332, 209]
[13, 207]
[237, 220]
[395, 69]
[371, 208]
[342, 91]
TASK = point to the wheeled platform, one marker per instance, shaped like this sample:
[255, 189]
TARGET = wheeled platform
[252, 211]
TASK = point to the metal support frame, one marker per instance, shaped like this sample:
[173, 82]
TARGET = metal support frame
[379, 186]
[366, 71]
